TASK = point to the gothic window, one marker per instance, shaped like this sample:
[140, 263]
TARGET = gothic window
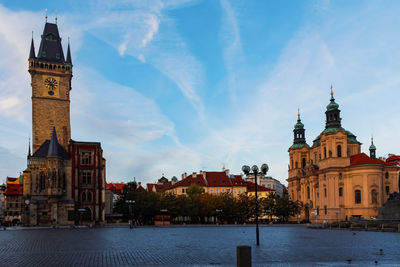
[339, 151]
[303, 162]
[308, 192]
[89, 196]
[374, 196]
[53, 178]
[86, 177]
[83, 197]
[64, 182]
[357, 196]
[340, 191]
[42, 181]
[86, 158]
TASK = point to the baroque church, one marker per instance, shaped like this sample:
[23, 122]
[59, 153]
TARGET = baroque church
[64, 182]
[332, 179]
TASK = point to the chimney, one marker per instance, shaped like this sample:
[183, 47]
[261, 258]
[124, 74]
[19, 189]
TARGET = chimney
[194, 174]
[184, 175]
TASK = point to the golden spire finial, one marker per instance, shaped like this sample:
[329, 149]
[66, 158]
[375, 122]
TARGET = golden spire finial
[298, 113]
[45, 16]
[331, 90]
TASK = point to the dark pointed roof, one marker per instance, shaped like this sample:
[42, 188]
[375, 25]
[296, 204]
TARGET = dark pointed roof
[32, 52]
[69, 60]
[51, 149]
[50, 47]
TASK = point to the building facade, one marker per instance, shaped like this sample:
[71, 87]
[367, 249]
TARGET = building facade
[268, 182]
[332, 179]
[64, 182]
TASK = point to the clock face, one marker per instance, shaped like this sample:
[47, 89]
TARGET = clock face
[51, 85]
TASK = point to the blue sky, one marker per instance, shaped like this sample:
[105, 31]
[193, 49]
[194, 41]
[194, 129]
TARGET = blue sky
[181, 86]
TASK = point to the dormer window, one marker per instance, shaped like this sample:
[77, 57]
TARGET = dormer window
[57, 55]
[51, 37]
[43, 53]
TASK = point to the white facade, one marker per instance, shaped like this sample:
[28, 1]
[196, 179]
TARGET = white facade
[268, 182]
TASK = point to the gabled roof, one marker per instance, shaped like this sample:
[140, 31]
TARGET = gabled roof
[252, 188]
[50, 46]
[51, 148]
[218, 179]
[363, 159]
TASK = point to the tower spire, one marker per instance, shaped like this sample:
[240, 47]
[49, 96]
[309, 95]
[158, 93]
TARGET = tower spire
[299, 132]
[69, 60]
[332, 112]
[32, 52]
[45, 16]
[372, 148]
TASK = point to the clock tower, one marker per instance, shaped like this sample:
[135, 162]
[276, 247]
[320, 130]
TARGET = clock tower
[51, 76]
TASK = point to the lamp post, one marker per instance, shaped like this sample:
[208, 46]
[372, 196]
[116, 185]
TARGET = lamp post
[130, 203]
[217, 211]
[264, 170]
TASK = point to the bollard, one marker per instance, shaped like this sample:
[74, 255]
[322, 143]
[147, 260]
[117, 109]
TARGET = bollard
[243, 256]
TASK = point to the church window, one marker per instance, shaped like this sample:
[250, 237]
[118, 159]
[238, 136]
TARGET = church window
[42, 183]
[325, 192]
[303, 162]
[89, 196]
[57, 55]
[339, 151]
[43, 53]
[296, 165]
[387, 175]
[387, 190]
[325, 210]
[330, 153]
[324, 152]
[315, 157]
[357, 196]
[308, 192]
[53, 178]
[86, 158]
[340, 191]
[83, 197]
[374, 196]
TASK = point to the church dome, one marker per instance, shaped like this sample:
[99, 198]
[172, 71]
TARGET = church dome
[299, 125]
[332, 105]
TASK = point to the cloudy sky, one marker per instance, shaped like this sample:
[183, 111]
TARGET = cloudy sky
[181, 86]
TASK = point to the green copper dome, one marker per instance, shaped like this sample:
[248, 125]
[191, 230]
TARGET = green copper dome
[299, 125]
[372, 147]
[332, 105]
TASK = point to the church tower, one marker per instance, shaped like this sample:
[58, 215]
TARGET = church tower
[51, 78]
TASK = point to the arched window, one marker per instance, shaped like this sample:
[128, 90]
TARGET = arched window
[387, 175]
[296, 165]
[339, 151]
[325, 193]
[83, 197]
[357, 196]
[308, 192]
[340, 191]
[374, 196]
[89, 196]
[42, 184]
[325, 152]
[303, 162]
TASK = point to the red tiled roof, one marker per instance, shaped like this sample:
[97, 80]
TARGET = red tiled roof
[363, 159]
[140, 188]
[219, 179]
[198, 180]
[150, 187]
[238, 181]
[14, 189]
[251, 187]
[393, 158]
[117, 188]
[159, 187]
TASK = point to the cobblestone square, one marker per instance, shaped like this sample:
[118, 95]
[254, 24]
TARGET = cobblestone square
[195, 246]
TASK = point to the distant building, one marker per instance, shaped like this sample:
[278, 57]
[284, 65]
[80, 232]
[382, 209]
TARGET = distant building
[2, 200]
[332, 178]
[262, 191]
[13, 200]
[162, 185]
[268, 182]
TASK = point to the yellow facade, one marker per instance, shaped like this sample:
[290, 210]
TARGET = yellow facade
[332, 179]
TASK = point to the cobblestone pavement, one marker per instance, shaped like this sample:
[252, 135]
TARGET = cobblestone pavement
[196, 246]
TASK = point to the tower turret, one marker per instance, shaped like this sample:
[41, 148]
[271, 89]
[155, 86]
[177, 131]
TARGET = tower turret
[299, 132]
[32, 52]
[372, 149]
[332, 113]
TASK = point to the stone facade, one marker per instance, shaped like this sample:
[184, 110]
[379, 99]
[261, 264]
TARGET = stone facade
[332, 179]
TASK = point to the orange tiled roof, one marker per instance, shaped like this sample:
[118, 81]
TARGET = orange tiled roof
[117, 188]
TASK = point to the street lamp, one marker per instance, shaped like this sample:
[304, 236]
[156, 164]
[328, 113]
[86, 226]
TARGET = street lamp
[130, 203]
[264, 170]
